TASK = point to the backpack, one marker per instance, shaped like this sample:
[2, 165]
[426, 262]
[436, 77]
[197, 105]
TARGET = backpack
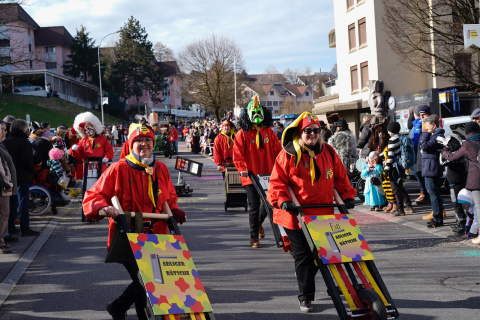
[407, 157]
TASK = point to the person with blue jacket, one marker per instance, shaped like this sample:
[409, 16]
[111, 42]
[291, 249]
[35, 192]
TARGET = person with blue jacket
[415, 124]
[431, 144]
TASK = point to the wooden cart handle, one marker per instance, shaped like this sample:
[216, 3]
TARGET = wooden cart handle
[161, 216]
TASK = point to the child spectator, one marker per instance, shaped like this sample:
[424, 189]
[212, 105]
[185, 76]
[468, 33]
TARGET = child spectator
[372, 173]
[387, 188]
[55, 155]
[396, 172]
[55, 166]
[465, 197]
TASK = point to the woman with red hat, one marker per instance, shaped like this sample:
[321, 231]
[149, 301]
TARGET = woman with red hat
[141, 184]
[312, 169]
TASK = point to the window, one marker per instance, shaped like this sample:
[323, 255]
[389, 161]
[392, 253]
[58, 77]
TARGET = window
[49, 49]
[280, 103]
[354, 78]
[271, 109]
[29, 48]
[31, 64]
[269, 103]
[5, 60]
[4, 43]
[351, 36]
[364, 74]
[275, 103]
[350, 3]
[362, 31]
[463, 64]
[51, 65]
[272, 93]
[307, 93]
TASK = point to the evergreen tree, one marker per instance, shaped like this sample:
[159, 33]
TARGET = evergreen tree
[83, 60]
[135, 72]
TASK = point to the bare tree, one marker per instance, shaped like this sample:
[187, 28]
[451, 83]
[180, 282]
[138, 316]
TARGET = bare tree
[334, 68]
[162, 52]
[208, 72]
[291, 75]
[291, 108]
[427, 35]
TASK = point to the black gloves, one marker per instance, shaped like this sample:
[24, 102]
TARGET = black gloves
[179, 216]
[290, 207]
[349, 203]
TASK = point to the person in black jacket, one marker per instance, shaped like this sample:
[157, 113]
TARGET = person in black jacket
[431, 143]
[456, 175]
[20, 150]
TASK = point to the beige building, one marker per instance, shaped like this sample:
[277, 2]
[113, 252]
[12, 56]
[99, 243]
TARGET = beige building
[363, 54]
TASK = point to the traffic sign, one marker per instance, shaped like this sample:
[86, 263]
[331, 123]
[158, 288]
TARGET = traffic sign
[471, 35]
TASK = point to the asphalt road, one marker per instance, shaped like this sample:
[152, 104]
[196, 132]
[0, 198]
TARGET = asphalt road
[430, 274]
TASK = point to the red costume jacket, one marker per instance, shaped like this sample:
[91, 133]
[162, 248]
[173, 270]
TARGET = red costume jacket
[221, 152]
[247, 157]
[101, 149]
[131, 187]
[285, 174]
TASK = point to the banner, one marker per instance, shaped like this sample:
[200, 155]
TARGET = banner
[338, 238]
[169, 274]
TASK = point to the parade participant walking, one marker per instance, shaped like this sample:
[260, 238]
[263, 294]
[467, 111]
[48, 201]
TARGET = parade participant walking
[312, 169]
[223, 146]
[344, 142]
[255, 149]
[141, 184]
[93, 144]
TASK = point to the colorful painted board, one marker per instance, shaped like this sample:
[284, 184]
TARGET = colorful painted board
[338, 238]
[169, 274]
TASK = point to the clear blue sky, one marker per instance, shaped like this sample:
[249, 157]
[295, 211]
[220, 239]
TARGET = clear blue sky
[280, 34]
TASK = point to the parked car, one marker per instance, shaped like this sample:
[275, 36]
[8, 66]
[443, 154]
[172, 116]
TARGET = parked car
[22, 87]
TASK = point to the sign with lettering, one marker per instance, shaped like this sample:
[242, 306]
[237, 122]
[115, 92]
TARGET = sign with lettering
[338, 238]
[470, 35]
[169, 274]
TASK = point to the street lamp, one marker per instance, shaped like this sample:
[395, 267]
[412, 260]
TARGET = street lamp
[100, 73]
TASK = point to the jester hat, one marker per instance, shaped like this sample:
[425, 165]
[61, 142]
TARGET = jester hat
[139, 130]
[291, 137]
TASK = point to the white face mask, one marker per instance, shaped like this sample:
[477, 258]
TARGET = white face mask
[89, 131]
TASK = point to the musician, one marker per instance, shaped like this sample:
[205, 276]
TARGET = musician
[141, 184]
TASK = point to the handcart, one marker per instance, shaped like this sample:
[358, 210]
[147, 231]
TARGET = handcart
[165, 267]
[260, 182]
[235, 194]
[346, 263]
[189, 166]
[92, 170]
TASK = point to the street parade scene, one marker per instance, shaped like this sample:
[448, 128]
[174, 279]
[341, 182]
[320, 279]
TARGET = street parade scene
[141, 184]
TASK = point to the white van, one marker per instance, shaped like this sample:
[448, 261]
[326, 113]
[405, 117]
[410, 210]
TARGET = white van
[455, 125]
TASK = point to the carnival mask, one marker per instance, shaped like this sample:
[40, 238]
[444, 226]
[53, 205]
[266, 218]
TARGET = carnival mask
[89, 130]
[255, 111]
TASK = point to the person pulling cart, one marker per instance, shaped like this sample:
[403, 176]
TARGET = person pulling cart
[141, 184]
[311, 168]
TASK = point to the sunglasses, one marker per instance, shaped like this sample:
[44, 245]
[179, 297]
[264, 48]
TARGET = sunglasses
[310, 131]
